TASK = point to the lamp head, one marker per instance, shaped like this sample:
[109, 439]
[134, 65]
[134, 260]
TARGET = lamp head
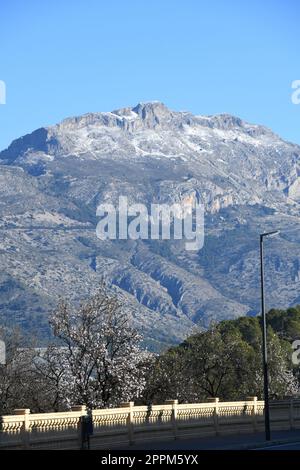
[270, 234]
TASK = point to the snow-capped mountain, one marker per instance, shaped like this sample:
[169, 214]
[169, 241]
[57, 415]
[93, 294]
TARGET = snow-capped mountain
[52, 181]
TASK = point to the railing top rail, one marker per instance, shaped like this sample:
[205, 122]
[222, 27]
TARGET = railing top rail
[111, 411]
[36, 416]
[53, 416]
[11, 419]
[220, 404]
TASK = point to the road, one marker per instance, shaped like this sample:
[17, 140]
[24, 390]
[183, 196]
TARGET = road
[290, 446]
[225, 442]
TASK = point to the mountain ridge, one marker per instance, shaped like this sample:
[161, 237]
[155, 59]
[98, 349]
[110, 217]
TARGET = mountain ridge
[141, 111]
[52, 180]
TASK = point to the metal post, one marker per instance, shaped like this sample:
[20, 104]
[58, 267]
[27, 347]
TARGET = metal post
[265, 352]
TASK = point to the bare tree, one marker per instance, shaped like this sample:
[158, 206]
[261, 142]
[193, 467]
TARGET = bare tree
[15, 372]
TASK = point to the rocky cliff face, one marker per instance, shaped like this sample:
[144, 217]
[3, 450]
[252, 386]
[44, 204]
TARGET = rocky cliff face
[52, 180]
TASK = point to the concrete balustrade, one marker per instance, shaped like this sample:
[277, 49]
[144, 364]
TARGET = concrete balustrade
[129, 424]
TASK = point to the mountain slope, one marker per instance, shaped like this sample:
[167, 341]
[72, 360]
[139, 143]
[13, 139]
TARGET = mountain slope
[52, 181]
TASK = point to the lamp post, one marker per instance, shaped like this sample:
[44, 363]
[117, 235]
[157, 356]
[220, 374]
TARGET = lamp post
[264, 334]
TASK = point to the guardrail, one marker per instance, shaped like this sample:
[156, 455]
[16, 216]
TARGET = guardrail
[129, 424]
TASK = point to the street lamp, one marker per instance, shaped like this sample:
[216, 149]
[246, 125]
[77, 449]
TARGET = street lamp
[264, 325]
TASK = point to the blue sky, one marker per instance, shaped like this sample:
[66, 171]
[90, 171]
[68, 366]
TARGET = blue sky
[64, 58]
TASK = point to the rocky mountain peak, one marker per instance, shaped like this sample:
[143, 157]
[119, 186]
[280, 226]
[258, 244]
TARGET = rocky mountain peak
[75, 134]
[153, 110]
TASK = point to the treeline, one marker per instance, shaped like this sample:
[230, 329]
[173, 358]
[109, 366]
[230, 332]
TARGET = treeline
[226, 361]
[95, 359]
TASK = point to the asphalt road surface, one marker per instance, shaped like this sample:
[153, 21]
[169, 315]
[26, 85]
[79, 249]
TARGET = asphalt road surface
[290, 446]
[225, 442]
